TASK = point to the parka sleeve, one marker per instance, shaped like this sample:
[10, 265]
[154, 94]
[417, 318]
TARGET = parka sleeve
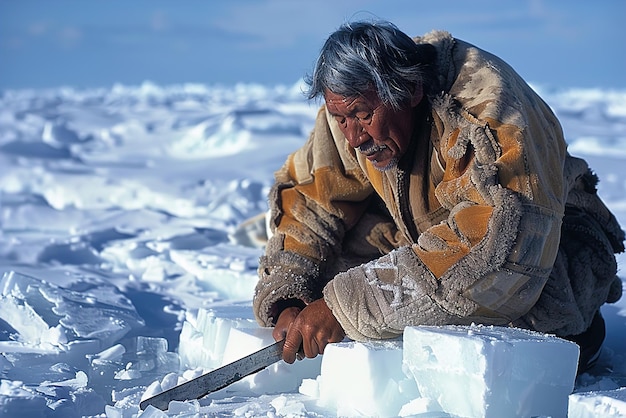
[319, 193]
[490, 259]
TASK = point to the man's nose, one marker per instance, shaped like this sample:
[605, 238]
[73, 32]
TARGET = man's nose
[355, 133]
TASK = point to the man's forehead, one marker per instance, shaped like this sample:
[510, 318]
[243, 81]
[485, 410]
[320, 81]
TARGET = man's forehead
[369, 97]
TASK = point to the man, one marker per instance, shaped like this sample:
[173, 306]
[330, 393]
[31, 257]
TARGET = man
[435, 189]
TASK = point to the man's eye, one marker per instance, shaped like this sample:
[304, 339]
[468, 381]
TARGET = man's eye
[340, 120]
[364, 117]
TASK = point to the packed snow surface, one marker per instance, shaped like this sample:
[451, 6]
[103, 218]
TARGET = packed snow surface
[124, 272]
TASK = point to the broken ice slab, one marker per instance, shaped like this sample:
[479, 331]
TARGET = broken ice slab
[487, 371]
[69, 397]
[44, 315]
[138, 363]
[363, 379]
[222, 333]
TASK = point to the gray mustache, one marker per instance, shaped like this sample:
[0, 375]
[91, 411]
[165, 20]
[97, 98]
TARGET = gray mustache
[370, 147]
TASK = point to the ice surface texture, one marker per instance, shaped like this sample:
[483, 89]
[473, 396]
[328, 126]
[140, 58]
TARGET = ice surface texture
[486, 371]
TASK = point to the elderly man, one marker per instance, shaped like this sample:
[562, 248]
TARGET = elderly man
[435, 189]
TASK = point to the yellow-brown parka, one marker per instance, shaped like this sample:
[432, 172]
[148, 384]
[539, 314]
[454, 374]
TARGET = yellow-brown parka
[486, 219]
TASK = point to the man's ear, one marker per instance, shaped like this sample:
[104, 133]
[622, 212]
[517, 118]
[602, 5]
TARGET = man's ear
[418, 94]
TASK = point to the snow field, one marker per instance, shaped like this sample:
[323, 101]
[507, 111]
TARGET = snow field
[119, 215]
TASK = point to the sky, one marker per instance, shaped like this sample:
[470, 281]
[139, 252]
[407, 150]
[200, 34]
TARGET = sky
[82, 43]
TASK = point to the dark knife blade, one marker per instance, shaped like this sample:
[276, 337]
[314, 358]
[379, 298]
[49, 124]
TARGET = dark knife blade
[218, 378]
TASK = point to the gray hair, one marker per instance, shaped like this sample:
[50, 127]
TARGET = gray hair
[362, 55]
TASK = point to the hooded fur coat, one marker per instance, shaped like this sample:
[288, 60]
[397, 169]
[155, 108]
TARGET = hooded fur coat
[486, 218]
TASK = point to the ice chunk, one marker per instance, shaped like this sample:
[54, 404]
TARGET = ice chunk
[288, 408]
[596, 404]
[423, 407]
[244, 341]
[221, 334]
[363, 379]
[189, 408]
[487, 371]
[80, 381]
[204, 336]
[113, 353]
[150, 412]
[310, 388]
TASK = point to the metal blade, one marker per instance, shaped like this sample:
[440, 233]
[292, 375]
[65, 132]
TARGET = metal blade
[218, 378]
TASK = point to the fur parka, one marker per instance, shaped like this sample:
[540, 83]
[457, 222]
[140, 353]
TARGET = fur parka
[486, 218]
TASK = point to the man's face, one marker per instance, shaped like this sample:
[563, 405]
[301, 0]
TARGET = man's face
[378, 131]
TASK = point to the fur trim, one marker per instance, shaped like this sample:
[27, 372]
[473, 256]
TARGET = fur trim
[283, 276]
[444, 44]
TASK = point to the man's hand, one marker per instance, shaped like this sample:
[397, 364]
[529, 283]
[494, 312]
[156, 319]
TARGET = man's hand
[308, 330]
[285, 319]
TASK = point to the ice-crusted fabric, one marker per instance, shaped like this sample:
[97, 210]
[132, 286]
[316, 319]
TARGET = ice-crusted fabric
[467, 228]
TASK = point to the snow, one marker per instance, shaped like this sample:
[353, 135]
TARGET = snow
[124, 272]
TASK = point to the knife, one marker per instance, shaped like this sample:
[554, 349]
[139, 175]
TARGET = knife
[218, 378]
